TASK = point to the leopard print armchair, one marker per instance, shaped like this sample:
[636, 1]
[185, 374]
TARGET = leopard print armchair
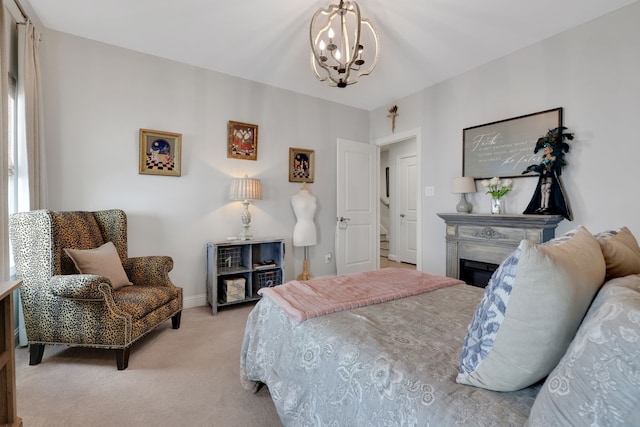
[62, 306]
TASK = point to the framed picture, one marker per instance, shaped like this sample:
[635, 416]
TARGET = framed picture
[160, 152]
[242, 141]
[301, 165]
[505, 148]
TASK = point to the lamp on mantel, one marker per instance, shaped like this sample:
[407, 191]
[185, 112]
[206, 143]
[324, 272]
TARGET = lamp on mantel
[462, 186]
[343, 45]
[245, 189]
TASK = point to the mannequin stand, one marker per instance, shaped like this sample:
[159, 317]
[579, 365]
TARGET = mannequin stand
[305, 266]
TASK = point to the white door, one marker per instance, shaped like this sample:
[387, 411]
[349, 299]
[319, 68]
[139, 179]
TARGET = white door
[407, 209]
[356, 216]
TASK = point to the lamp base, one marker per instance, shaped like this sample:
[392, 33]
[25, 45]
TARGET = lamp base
[246, 221]
[245, 235]
[464, 206]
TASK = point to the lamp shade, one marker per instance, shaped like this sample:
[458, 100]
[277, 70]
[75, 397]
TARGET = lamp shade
[464, 184]
[245, 189]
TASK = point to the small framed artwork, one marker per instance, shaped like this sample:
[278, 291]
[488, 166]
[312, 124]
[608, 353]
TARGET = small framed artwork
[242, 141]
[160, 152]
[301, 165]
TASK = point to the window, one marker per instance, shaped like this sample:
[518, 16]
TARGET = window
[13, 176]
[12, 154]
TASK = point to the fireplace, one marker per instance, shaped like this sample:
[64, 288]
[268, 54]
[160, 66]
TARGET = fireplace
[476, 273]
[478, 243]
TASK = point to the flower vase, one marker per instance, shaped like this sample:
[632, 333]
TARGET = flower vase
[496, 206]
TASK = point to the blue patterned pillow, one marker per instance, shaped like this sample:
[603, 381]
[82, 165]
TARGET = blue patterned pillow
[530, 311]
[489, 314]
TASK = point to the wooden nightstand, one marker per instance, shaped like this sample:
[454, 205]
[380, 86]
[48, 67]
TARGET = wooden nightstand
[8, 415]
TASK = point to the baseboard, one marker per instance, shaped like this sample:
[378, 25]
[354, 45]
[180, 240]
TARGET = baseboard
[392, 257]
[195, 301]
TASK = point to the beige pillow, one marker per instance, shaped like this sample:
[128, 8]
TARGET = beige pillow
[530, 312]
[103, 261]
[621, 252]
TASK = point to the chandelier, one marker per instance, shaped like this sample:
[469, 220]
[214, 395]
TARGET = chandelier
[343, 45]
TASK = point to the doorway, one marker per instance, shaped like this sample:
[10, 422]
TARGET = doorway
[399, 204]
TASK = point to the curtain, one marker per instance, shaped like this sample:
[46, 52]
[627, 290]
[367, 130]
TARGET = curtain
[4, 144]
[32, 184]
[32, 191]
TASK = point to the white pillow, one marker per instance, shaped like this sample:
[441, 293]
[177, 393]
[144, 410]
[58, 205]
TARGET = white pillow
[530, 312]
[103, 261]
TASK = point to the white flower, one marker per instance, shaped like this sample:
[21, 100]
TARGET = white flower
[485, 183]
[497, 187]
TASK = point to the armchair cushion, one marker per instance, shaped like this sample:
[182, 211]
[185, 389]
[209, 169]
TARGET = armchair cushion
[139, 301]
[102, 261]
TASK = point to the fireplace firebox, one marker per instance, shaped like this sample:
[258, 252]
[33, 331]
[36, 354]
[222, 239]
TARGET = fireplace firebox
[476, 273]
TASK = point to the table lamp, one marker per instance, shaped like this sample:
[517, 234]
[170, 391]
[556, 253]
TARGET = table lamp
[462, 186]
[245, 189]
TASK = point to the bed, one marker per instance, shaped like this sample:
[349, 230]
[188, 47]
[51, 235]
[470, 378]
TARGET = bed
[551, 341]
[385, 364]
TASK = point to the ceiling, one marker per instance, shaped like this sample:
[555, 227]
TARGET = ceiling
[423, 42]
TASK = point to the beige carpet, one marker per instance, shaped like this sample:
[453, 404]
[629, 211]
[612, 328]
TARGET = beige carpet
[386, 263]
[185, 377]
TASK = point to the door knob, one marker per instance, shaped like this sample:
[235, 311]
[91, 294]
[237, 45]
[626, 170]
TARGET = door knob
[343, 222]
[402, 215]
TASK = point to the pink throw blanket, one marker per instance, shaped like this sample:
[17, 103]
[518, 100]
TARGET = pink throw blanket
[308, 299]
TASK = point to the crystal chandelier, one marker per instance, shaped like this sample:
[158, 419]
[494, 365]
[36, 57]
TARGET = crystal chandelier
[343, 45]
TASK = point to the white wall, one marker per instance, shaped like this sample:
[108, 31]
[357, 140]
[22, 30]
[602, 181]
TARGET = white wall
[592, 72]
[97, 97]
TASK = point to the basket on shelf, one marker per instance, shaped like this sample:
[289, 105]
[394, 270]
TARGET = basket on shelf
[229, 257]
[268, 279]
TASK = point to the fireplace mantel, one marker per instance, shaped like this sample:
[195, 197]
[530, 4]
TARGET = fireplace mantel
[491, 238]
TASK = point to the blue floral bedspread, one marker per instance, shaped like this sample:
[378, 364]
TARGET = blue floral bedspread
[388, 364]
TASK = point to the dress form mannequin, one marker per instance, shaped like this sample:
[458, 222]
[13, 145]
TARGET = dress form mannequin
[304, 232]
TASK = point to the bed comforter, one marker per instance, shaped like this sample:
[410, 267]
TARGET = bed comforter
[387, 364]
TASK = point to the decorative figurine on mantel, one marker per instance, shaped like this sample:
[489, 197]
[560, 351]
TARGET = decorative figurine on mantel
[548, 198]
[393, 113]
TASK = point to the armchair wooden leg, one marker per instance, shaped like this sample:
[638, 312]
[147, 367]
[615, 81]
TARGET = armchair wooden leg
[122, 358]
[35, 353]
[175, 320]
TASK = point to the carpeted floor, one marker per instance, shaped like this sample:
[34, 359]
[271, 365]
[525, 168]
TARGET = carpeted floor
[386, 263]
[185, 377]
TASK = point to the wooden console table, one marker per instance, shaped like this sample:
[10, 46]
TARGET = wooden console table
[8, 416]
[491, 238]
